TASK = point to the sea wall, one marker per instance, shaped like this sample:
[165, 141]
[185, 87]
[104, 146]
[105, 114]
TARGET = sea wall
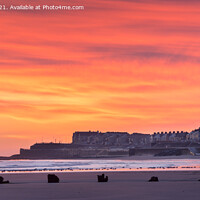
[159, 151]
[71, 153]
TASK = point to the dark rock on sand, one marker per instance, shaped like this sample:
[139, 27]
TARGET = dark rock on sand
[52, 178]
[153, 179]
[2, 180]
[102, 178]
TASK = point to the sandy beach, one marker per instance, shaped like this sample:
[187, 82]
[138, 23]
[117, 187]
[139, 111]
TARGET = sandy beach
[177, 185]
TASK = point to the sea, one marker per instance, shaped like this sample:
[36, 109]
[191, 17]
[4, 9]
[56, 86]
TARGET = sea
[84, 165]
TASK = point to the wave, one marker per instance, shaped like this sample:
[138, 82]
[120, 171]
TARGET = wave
[20, 165]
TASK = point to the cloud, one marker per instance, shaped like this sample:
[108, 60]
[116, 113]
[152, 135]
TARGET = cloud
[119, 65]
[140, 53]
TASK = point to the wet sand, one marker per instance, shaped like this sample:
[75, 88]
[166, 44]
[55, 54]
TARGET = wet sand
[177, 185]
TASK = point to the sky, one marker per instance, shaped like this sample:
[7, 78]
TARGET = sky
[117, 65]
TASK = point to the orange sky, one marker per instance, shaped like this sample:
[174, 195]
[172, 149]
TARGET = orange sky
[119, 65]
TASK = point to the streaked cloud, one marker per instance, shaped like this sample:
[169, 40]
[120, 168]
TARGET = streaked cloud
[118, 65]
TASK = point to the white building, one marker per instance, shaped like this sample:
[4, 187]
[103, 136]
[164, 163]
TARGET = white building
[194, 136]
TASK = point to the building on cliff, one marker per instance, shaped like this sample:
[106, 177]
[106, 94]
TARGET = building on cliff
[88, 144]
[111, 139]
[96, 144]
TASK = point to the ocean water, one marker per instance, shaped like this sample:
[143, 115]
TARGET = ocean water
[100, 165]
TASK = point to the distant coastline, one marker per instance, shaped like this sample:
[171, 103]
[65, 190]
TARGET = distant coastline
[141, 157]
[111, 145]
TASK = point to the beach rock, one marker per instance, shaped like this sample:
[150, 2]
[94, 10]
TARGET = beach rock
[153, 179]
[102, 178]
[2, 180]
[52, 178]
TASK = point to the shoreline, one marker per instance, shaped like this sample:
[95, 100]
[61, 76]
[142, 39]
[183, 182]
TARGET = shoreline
[152, 157]
[131, 164]
[159, 169]
[141, 157]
